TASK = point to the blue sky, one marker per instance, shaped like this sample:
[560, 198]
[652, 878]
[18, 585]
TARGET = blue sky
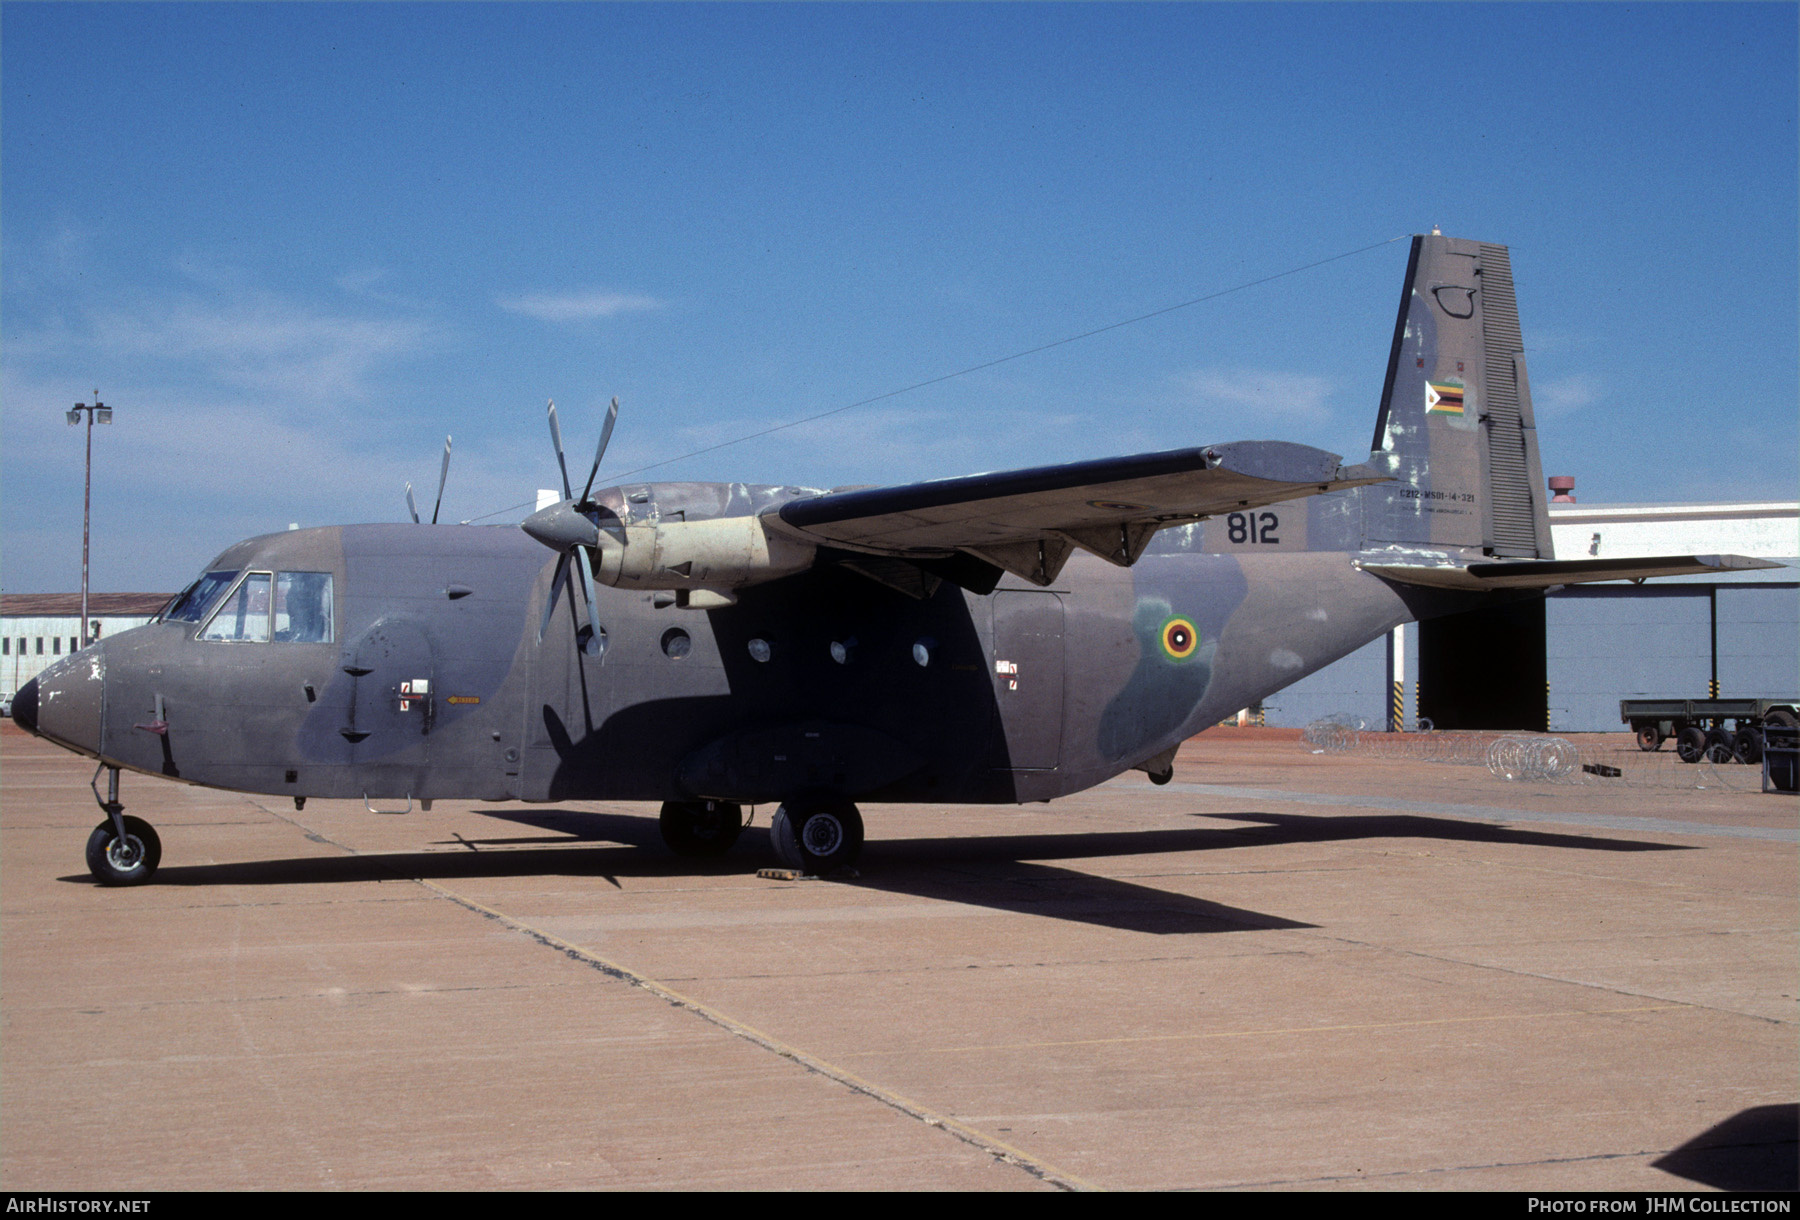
[295, 245]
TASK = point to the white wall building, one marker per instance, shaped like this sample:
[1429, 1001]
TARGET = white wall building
[1764, 529]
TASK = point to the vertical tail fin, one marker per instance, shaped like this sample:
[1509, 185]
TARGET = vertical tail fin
[1456, 430]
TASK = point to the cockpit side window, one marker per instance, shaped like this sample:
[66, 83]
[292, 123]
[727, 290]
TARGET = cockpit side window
[193, 603]
[303, 607]
[244, 616]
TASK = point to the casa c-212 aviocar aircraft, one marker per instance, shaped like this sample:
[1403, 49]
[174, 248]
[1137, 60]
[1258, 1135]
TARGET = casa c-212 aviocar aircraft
[1003, 637]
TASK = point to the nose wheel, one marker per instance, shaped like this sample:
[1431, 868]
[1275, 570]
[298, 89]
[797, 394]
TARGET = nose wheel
[817, 835]
[128, 859]
[122, 850]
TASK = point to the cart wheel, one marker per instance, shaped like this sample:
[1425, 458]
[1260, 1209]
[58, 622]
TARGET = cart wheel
[1747, 746]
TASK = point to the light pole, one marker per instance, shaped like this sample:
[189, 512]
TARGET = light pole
[87, 486]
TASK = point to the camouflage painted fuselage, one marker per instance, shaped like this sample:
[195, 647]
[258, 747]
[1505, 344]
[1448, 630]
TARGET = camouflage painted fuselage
[1022, 694]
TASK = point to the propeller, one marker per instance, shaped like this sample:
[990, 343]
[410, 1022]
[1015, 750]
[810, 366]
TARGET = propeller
[443, 477]
[572, 526]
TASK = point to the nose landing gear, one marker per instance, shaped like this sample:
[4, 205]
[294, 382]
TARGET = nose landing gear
[122, 850]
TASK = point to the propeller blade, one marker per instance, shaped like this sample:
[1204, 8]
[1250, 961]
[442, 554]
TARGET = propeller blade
[556, 584]
[592, 647]
[612, 417]
[443, 477]
[556, 439]
[410, 506]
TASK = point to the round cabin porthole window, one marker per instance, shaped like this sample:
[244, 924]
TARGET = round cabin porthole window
[676, 643]
[760, 651]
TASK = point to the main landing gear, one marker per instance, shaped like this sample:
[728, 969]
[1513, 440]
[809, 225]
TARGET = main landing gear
[811, 834]
[817, 834]
[122, 850]
[701, 828]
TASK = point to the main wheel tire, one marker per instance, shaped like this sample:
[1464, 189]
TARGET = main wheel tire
[701, 828]
[1782, 718]
[1649, 737]
[131, 862]
[817, 836]
[1690, 744]
[784, 841]
[1747, 746]
[1718, 746]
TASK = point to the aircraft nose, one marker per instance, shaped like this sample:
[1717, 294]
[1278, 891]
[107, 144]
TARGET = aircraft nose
[24, 707]
[64, 702]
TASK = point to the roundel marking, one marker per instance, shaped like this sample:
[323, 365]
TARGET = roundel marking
[1118, 506]
[1179, 639]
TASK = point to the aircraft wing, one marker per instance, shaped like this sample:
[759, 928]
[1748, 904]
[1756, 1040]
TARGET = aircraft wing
[1548, 573]
[1028, 521]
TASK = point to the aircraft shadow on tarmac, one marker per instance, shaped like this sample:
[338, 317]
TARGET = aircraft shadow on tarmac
[1751, 1150]
[1002, 872]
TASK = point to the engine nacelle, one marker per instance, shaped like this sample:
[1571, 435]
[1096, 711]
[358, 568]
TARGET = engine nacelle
[717, 554]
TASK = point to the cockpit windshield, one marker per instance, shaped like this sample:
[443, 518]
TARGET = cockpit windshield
[193, 603]
[245, 615]
[286, 607]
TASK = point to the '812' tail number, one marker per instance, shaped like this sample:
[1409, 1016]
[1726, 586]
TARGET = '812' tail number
[1253, 527]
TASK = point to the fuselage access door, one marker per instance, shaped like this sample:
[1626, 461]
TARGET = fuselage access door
[393, 706]
[1028, 677]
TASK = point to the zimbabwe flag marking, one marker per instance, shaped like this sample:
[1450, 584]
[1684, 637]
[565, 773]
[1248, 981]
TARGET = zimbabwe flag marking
[1444, 397]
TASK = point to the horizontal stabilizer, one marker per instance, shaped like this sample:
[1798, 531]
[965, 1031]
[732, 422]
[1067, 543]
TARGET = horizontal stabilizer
[1028, 521]
[1544, 574]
